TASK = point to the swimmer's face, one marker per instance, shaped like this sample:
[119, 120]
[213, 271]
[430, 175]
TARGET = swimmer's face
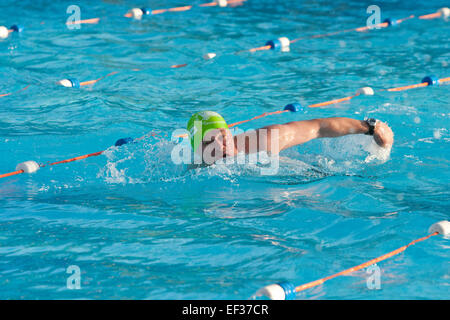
[217, 144]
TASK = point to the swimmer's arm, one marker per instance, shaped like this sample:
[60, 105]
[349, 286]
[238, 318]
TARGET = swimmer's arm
[337, 127]
[299, 132]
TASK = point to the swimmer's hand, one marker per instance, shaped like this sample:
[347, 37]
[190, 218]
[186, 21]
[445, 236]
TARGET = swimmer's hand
[383, 135]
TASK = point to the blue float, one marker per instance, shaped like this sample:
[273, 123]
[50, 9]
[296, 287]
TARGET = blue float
[289, 290]
[123, 141]
[431, 80]
[391, 22]
[16, 28]
[294, 107]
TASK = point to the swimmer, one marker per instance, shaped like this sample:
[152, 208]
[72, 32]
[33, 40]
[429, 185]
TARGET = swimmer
[212, 139]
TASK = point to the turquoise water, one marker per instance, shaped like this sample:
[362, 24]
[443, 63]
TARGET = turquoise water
[140, 227]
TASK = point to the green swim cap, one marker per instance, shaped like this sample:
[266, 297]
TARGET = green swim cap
[200, 123]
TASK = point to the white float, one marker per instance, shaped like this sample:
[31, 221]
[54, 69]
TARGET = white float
[273, 292]
[366, 91]
[445, 12]
[222, 3]
[28, 166]
[66, 83]
[4, 32]
[209, 56]
[136, 13]
[284, 42]
[441, 227]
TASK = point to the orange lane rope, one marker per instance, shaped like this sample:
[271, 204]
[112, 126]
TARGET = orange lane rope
[266, 47]
[412, 86]
[265, 114]
[403, 88]
[8, 94]
[258, 48]
[186, 8]
[431, 15]
[179, 65]
[407, 18]
[209, 4]
[11, 174]
[322, 35]
[363, 265]
[359, 29]
[55, 163]
[94, 154]
[234, 2]
[176, 9]
[87, 21]
[101, 152]
[85, 83]
[366, 28]
[75, 158]
[232, 124]
[326, 103]
[384, 24]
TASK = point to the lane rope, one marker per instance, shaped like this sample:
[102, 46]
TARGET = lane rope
[86, 21]
[288, 291]
[281, 44]
[8, 94]
[284, 290]
[5, 32]
[32, 166]
[75, 83]
[138, 13]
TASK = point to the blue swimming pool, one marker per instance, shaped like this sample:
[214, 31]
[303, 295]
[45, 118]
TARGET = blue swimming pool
[137, 226]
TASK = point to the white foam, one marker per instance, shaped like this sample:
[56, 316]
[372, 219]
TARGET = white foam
[150, 161]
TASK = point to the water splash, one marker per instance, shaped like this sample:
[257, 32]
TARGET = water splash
[151, 162]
